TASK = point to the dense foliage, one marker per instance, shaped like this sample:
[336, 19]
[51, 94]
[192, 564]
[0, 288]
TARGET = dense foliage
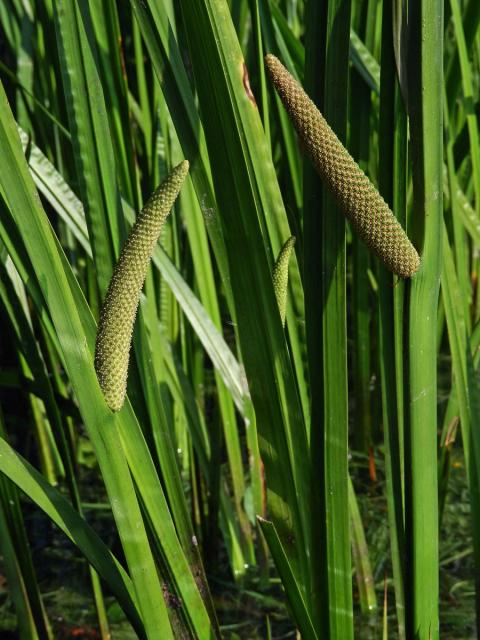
[276, 365]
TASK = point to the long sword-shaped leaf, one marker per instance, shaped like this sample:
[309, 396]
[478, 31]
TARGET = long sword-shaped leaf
[425, 109]
[91, 138]
[76, 332]
[246, 190]
[165, 54]
[51, 501]
[292, 588]
[326, 76]
[70, 209]
[467, 391]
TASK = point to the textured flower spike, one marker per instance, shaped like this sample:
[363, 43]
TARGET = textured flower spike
[114, 335]
[280, 277]
[353, 191]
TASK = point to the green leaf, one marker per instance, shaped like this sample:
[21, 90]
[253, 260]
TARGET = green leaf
[247, 194]
[290, 584]
[51, 501]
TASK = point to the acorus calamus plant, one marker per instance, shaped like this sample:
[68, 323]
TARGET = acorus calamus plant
[358, 198]
[249, 447]
[117, 317]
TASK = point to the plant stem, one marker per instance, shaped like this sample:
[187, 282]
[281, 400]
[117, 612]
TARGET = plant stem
[425, 106]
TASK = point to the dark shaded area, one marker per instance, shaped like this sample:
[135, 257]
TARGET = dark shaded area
[243, 608]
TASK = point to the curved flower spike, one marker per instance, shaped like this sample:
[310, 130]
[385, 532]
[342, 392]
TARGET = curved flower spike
[355, 194]
[117, 317]
[280, 277]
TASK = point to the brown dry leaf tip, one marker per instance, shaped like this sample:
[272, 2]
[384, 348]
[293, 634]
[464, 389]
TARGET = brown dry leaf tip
[117, 317]
[360, 201]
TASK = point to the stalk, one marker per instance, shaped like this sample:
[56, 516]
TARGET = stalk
[359, 145]
[326, 78]
[392, 184]
[425, 106]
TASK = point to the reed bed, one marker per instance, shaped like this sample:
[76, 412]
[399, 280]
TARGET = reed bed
[209, 380]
